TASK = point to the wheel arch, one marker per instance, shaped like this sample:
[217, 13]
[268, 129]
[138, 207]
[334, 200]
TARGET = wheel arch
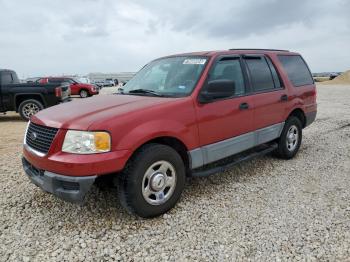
[300, 114]
[84, 89]
[172, 142]
[19, 98]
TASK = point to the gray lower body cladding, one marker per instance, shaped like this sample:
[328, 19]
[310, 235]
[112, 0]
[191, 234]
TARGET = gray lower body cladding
[213, 152]
[310, 117]
[71, 189]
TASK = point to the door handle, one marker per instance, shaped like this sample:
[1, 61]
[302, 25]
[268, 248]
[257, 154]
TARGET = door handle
[284, 98]
[243, 106]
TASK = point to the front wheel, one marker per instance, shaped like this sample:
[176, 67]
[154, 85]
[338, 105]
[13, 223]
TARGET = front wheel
[290, 139]
[28, 108]
[152, 181]
[83, 93]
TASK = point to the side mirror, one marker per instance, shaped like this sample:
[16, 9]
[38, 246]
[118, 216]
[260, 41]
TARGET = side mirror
[217, 89]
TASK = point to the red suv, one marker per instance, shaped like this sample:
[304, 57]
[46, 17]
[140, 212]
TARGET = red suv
[183, 115]
[77, 88]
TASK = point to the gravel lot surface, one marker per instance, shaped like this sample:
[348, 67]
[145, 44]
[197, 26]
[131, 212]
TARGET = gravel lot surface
[265, 209]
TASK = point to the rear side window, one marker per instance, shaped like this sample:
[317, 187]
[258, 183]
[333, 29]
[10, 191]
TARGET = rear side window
[260, 73]
[297, 71]
[274, 73]
[6, 78]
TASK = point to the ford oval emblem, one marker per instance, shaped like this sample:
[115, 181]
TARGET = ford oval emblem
[33, 136]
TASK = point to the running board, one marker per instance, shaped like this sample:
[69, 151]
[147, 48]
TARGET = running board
[223, 165]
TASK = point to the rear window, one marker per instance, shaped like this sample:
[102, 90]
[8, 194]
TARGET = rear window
[6, 78]
[297, 70]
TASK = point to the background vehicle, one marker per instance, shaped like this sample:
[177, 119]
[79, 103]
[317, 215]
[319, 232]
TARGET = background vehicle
[29, 98]
[104, 83]
[77, 88]
[333, 75]
[109, 82]
[184, 115]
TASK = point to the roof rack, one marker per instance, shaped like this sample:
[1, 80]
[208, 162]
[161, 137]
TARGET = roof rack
[260, 49]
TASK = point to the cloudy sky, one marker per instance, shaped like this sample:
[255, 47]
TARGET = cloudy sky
[57, 37]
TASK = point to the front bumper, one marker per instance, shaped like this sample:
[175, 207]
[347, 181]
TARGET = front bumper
[72, 189]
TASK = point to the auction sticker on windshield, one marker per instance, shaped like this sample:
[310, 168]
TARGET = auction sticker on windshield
[194, 61]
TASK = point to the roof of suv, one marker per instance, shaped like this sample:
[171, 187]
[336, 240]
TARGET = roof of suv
[235, 51]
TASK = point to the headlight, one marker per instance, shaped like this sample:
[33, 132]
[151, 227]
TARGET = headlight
[83, 142]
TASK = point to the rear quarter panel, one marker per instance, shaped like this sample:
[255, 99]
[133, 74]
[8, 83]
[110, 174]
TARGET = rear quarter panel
[303, 97]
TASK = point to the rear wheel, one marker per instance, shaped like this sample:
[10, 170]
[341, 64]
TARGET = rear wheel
[152, 181]
[29, 107]
[290, 139]
[83, 93]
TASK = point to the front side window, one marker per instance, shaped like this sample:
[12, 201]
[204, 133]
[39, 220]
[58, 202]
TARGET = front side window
[229, 68]
[170, 77]
[297, 70]
[260, 73]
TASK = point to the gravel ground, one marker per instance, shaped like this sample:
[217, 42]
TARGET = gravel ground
[265, 209]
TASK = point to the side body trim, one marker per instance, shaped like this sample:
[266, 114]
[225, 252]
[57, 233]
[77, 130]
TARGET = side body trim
[216, 151]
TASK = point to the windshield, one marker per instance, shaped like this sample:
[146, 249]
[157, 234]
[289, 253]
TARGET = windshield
[77, 80]
[169, 77]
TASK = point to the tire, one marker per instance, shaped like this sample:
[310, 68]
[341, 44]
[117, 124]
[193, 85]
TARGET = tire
[144, 188]
[84, 93]
[288, 145]
[29, 107]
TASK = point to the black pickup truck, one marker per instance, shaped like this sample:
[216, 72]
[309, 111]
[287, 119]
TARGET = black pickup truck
[29, 98]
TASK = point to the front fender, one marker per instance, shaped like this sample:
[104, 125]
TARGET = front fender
[145, 132]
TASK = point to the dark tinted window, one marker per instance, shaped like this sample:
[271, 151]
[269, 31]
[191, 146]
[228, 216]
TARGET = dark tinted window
[6, 78]
[275, 76]
[55, 80]
[260, 73]
[297, 71]
[229, 68]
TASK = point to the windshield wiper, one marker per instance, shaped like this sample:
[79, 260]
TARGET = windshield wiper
[144, 91]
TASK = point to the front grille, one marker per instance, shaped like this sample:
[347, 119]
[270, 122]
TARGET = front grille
[40, 137]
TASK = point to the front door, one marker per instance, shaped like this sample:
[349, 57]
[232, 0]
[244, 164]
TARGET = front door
[224, 124]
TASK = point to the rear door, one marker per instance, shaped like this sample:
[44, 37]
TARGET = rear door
[269, 97]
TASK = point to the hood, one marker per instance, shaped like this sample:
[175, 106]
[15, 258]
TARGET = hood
[81, 113]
